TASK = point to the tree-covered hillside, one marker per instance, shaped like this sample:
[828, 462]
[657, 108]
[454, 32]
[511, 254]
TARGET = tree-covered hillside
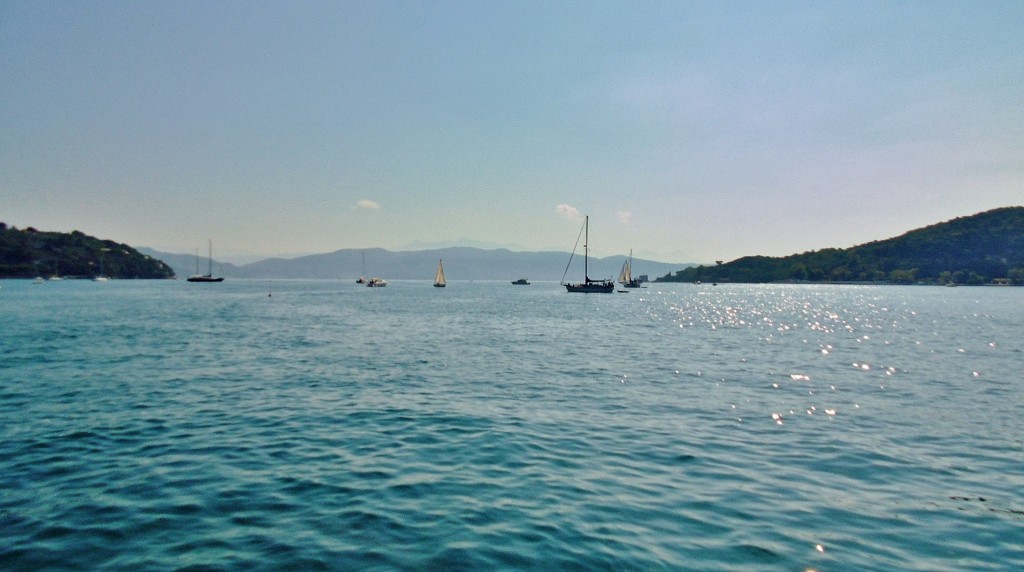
[978, 249]
[29, 253]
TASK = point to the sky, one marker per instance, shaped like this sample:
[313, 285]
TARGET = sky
[688, 131]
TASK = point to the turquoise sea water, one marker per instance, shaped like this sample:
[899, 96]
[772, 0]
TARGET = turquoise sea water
[168, 425]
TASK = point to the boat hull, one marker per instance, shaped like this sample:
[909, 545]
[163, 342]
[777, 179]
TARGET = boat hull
[598, 287]
[205, 279]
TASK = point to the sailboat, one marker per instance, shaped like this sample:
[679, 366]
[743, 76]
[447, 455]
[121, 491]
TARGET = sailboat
[362, 277]
[626, 274]
[439, 276]
[208, 277]
[588, 285]
[101, 277]
[375, 282]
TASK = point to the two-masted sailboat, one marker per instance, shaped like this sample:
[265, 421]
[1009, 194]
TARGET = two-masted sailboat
[588, 285]
[439, 281]
[626, 274]
[208, 277]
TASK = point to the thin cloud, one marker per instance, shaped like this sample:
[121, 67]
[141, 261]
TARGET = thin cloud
[625, 217]
[569, 212]
[367, 204]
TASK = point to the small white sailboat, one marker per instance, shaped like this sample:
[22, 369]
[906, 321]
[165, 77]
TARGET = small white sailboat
[375, 282]
[101, 277]
[626, 274]
[439, 281]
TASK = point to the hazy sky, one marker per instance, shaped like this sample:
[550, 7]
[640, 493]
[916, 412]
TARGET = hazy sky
[688, 131]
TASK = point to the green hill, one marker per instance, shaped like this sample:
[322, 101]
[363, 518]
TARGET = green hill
[29, 253]
[976, 249]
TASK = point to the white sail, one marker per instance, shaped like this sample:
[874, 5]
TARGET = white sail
[626, 274]
[439, 276]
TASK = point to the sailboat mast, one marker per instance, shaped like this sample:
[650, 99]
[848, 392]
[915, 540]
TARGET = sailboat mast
[586, 252]
[210, 248]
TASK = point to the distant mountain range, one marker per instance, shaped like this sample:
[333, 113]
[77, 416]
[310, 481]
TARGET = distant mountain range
[460, 263]
[981, 249]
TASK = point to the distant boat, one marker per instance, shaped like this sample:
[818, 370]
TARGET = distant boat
[626, 274]
[587, 286]
[376, 283]
[439, 276]
[101, 276]
[208, 277]
[362, 277]
[521, 282]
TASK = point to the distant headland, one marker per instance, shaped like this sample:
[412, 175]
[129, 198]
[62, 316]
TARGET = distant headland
[986, 248]
[30, 253]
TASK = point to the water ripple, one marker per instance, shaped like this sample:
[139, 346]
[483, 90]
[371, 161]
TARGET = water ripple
[158, 426]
